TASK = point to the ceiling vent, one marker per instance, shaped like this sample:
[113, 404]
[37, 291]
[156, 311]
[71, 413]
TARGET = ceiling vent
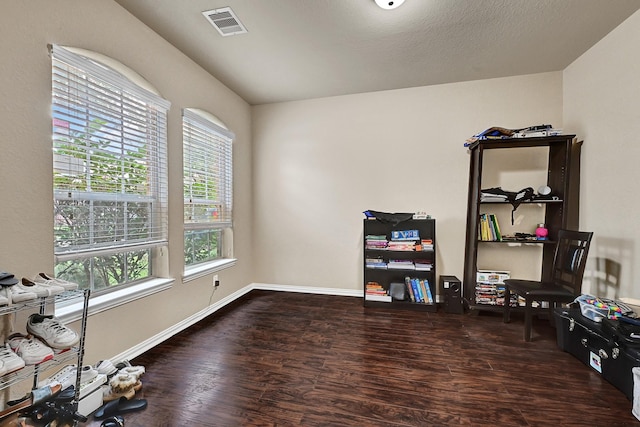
[225, 21]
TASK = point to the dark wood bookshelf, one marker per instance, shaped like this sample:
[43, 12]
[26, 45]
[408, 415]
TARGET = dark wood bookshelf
[385, 276]
[563, 176]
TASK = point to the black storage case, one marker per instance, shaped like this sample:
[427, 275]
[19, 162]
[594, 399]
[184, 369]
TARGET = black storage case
[598, 346]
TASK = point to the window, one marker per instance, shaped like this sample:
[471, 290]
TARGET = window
[207, 161]
[109, 173]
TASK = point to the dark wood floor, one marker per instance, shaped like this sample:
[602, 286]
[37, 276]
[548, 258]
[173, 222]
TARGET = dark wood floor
[288, 359]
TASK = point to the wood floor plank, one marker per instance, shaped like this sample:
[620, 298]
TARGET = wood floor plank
[292, 359]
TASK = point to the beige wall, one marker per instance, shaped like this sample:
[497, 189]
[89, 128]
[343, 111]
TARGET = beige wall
[602, 104]
[25, 141]
[319, 163]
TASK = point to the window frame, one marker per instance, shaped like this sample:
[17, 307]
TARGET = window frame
[129, 84]
[205, 135]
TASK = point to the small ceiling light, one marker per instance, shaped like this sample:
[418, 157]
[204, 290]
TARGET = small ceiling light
[389, 4]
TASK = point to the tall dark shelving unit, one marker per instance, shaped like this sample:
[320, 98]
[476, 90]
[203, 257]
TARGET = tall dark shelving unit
[563, 176]
[427, 230]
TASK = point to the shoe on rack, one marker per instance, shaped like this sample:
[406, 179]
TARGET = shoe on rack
[31, 350]
[51, 331]
[4, 298]
[9, 360]
[40, 289]
[16, 294]
[67, 285]
[67, 376]
[7, 279]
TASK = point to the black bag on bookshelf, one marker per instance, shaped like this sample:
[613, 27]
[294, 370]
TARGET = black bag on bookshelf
[389, 218]
[397, 291]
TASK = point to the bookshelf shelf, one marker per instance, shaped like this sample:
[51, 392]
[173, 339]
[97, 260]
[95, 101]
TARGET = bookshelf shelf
[562, 176]
[384, 266]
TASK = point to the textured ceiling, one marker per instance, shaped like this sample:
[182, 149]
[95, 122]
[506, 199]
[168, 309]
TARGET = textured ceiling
[302, 49]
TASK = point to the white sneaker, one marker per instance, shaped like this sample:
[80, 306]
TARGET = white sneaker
[40, 289]
[67, 376]
[106, 367]
[4, 296]
[9, 361]
[16, 294]
[30, 350]
[51, 331]
[45, 278]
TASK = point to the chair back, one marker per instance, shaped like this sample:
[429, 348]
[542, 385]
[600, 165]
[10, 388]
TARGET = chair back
[570, 259]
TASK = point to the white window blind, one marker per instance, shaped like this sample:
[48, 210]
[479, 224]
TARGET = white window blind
[110, 160]
[207, 151]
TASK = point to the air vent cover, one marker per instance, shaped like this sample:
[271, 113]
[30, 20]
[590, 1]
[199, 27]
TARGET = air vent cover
[225, 21]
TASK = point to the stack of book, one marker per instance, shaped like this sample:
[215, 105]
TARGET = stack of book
[375, 262]
[375, 241]
[401, 245]
[423, 264]
[419, 290]
[490, 287]
[375, 292]
[426, 245]
[400, 264]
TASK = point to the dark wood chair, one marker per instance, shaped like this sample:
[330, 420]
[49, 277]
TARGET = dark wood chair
[564, 284]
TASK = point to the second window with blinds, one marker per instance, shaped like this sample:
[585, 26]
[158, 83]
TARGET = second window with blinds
[208, 190]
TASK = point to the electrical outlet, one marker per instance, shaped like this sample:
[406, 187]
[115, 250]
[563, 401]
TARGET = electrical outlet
[216, 282]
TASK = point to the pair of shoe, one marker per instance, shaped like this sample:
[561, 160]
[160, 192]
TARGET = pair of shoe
[46, 335]
[124, 383]
[25, 290]
[67, 376]
[46, 279]
[14, 291]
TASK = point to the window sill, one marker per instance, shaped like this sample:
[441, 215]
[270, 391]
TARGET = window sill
[70, 312]
[201, 270]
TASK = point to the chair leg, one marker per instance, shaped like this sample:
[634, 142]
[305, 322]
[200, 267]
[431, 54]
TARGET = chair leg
[506, 312]
[527, 320]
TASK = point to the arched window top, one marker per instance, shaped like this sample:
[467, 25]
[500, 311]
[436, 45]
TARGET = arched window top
[208, 116]
[116, 66]
[208, 120]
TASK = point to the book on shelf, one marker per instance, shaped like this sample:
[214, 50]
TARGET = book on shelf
[419, 290]
[379, 298]
[377, 262]
[427, 290]
[407, 282]
[375, 241]
[374, 291]
[400, 264]
[405, 235]
[415, 285]
[401, 245]
[426, 245]
[489, 229]
[423, 264]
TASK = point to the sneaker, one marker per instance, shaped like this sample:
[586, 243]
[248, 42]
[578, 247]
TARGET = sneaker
[51, 331]
[29, 349]
[4, 296]
[40, 289]
[16, 294]
[9, 360]
[106, 367]
[67, 376]
[68, 286]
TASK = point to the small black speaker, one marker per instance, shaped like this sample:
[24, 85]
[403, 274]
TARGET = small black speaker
[452, 288]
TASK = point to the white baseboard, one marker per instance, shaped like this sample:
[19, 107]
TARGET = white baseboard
[148, 344]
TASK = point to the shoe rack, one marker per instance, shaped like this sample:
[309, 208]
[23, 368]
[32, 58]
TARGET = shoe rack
[73, 355]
